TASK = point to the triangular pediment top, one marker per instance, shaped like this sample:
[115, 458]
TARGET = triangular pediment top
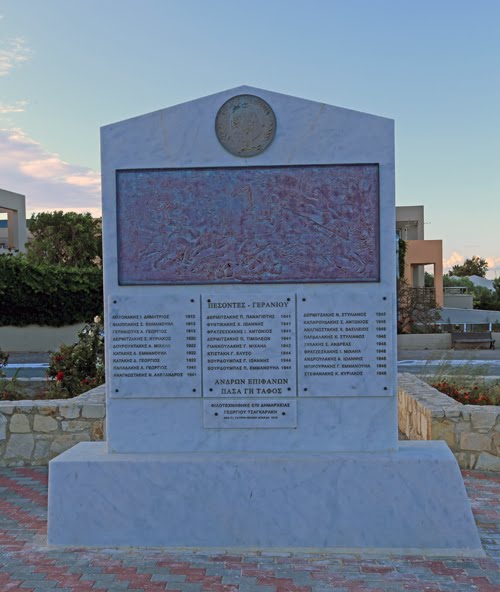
[252, 90]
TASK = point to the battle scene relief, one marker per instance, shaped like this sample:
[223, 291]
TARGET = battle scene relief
[248, 225]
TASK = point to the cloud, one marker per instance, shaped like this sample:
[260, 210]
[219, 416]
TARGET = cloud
[47, 181]
[17, 107]
[493, 263]
[13, 52]
[455, 259]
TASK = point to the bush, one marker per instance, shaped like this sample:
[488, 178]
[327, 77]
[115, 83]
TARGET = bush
[10, 389]
[474, 395]
[417, 309]
[466, 383]
[78, 368]
[53, 295]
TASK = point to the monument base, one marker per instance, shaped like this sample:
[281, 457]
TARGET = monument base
[413, 500]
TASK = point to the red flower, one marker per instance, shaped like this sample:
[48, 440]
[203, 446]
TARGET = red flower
[59, 376]
[58, 358]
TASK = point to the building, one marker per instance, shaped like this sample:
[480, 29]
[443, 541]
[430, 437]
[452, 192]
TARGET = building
[419, 251]
[13, 233]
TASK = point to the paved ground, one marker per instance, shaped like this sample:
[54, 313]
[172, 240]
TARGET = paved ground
[403, 354]
[27, 564]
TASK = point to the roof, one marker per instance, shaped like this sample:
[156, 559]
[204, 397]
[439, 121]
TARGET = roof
[481, 281]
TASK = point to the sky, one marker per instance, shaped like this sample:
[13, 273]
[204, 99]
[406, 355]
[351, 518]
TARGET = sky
[68, 67]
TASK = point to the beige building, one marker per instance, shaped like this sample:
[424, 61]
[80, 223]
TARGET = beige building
[14, 236]
[419, 252]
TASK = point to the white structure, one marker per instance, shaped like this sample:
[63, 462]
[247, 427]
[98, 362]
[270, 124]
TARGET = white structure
[457, 297]
[199, 453]
[410, 222]
[14, 205]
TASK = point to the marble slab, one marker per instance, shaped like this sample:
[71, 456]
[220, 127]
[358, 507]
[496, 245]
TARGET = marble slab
[184, 219]
[305, 340]
[346, 342]
[153, 343]
[249, 339]
[248, 224]
[413, 500]
[250, 413]
[323, 424]
[186, 224]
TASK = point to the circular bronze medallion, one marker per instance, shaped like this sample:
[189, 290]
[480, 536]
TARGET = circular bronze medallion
[245, 125]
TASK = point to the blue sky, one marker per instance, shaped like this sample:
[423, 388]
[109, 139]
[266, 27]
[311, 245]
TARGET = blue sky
[68, 67]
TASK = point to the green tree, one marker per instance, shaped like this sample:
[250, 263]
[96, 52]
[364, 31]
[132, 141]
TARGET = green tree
[65, 238]
[483, 298]
[474, 266]
[451, 282]
[496, 286]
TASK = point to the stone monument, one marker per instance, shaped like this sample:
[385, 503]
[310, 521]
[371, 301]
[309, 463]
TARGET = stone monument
[250, 269]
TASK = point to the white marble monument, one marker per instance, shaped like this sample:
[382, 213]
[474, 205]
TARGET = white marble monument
[249, 258]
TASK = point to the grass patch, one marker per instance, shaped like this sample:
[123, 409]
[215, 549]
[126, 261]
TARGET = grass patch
[13, 389]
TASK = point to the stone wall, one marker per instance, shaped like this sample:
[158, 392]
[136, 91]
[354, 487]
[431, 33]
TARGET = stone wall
[471, 431]
[33, 432]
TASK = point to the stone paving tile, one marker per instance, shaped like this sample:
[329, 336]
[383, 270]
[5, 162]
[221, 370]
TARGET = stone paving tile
[27, 564]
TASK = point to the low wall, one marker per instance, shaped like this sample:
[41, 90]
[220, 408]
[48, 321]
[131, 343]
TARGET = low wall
[33, 432]
[35, 338]
[431, 341]
[459, 301]
[424, 341]
[471, 431]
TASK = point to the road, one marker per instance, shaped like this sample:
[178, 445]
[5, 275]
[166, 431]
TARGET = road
[483, 362]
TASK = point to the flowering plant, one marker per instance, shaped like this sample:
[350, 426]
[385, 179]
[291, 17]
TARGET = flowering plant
[79, 367]
[3, 361]
[466, 396]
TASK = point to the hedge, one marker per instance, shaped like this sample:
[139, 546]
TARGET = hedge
[51, 295]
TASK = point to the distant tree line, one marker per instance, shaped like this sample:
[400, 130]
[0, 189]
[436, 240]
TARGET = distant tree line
[483, 298]
[473, 266]
[65, 238]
